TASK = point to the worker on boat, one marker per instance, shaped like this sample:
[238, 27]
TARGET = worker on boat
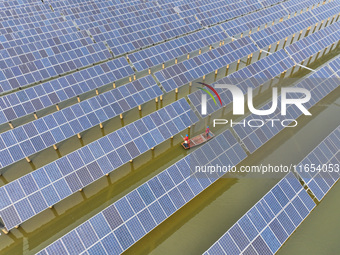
[207, 131]
[186, 141]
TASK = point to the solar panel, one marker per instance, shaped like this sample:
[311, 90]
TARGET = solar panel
[170, 50]
[178, 75]
[31, 22]
[269, 223]
[334, 65]
[52, 183]
[136, 33]
[35, 29]
[39, 61]
[35, 98]
[296, 5]
[326, 10]
[254, 20]
[283, 29]
[17, 11]
[79, 9]
[51, 129]
[74, 7]
[85, 18]
[124, 222]
[212, 12]
[270, 2]
[312, 44]
[320, 84]
[320, 168]
[253, 75]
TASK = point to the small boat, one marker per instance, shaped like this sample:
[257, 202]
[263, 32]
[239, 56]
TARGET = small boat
[198, 140]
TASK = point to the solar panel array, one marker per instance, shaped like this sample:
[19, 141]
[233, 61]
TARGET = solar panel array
[320, 168]
[269, 223]
[170, 50]
[295, 24]
[35, 192]
[320, 84]
[254, 20]
[38, 97]
[43, 48]
[26, 23]
[251, 76]
[43, 40]
[40, 63]
[16, 10]
[66, 5]
[213, 12]
[135, 33]
[38, 29]
[63, 59]
[283, 29]
[178, 75]
[105, 13]
[126, 221]
[51, 129]
[334, 65]
[270, 2]
[327, 10]
[314, 43]
[297, 5]
[266, 16]
[267, 68]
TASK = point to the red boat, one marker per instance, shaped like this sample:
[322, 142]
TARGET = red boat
[198, 140]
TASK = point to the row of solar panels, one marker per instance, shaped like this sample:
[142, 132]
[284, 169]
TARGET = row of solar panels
[264, 229]
[32, 193]
[25, 102]
[251, 76]
[35, 136]
[25, 63]
[124, 222]
[295, 24]
[27, 148]
[33, 99]
[38, 105]
[189, 70]
[34, 141]
[26, 8]
[49, 140]
[26, 195]
[77, 9]
[270, 222]
[325, 160]
[178, 75]
[48, 69]
[132, 7]
[51, 129]
[213, 12]
[262, 71]
[320, 84]
[50, 197]
[162, 53]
